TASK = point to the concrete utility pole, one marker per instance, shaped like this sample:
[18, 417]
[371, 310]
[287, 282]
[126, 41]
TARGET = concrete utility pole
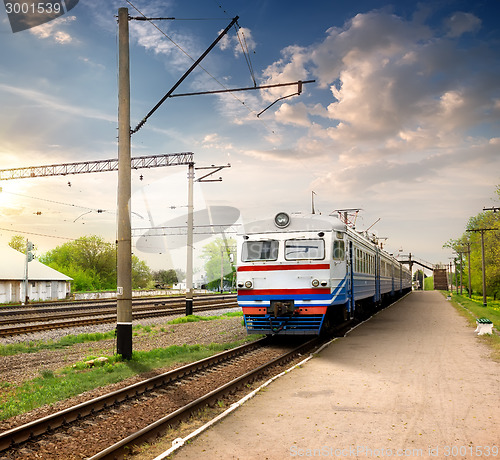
[483, 266]
[124, 240]
[189, 264]
[468, 270]
[483, 262]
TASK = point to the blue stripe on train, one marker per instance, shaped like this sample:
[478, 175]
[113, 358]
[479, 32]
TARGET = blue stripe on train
[294, 325]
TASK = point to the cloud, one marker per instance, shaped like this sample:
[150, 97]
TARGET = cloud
[239, 43]
[460, 23]
[293, 114]
[214, 141]
[49, 102]
[393, 81]
[52, 30]
[179, 48]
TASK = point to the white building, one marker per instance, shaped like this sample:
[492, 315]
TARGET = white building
[44, 283]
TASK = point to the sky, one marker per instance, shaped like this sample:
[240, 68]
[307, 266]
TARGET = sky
[401, 121]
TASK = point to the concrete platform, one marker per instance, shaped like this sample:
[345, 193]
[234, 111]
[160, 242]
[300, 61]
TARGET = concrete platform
[413, 381]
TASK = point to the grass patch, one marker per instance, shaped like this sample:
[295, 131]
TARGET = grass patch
[64, 342]
[196, 318]
[69, 340]
[476, 308]
[472, 309]
[53, 386]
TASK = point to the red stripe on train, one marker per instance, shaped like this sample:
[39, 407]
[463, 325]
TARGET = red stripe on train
[265, 268]
[242, 292]
[301, 310]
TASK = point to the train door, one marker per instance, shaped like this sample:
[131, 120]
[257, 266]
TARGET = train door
[377, 275]
[350, 281]
[392, 276]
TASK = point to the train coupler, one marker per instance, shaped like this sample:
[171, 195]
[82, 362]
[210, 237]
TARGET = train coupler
[281, 308]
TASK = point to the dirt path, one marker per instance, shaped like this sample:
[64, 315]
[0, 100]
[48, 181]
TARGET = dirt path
[414, 381]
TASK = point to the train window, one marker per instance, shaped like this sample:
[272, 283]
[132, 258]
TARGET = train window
[304, 249]
[259, 250]
[338, 250]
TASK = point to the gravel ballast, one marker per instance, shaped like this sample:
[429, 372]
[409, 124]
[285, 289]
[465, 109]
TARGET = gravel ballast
[25, 366]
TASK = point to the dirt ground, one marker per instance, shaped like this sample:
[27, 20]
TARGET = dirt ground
[413, 381]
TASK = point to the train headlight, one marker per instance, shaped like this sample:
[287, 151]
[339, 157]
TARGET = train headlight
[248, 284]
[315, 283]
[282, 220]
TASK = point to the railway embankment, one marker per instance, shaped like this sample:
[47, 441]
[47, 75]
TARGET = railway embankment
[42, 362]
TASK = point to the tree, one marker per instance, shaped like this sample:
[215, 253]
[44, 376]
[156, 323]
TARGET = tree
[91, 262]
[165, 277]
[18, 243]
[420, 276]
[472, 239]
[217, 255]
[141, 273]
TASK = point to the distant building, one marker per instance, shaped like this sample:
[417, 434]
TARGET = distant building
[44, 283]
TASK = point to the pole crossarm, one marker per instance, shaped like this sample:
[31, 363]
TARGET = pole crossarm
[84, 167]
[250, 88]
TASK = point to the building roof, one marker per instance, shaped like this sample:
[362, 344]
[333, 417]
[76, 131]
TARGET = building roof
[13, 263]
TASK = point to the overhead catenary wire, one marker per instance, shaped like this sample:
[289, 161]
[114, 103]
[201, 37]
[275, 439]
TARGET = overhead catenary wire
[246, 52]
[247, 57]
[195, 64]
[57, 202]
[37, 234]
[177, 45]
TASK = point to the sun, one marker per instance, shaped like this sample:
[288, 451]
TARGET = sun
[10, 197]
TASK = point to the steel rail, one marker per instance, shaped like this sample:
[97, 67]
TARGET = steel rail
[159, 427]
[93, 303]
[48, 315]
[38, 427]
[102, 319]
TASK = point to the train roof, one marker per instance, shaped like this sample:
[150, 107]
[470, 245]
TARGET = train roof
[293, 222]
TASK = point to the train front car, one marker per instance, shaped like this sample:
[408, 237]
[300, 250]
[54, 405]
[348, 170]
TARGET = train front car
[291, 272]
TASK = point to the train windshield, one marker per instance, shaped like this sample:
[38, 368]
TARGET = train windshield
[304, 249]
[259, 250]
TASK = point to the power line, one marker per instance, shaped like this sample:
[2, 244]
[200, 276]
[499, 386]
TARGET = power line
[247, 57]
[37, 234]
[246, 53]
[195, 64]
[56, 202]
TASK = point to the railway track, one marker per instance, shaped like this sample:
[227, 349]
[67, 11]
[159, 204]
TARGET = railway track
[108, 426]
[15, 322]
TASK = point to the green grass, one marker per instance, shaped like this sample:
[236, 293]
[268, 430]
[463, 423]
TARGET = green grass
[196, 318]
[53, 386]
[472, 309]
[33, 347]
[65, 342]
[475, 306]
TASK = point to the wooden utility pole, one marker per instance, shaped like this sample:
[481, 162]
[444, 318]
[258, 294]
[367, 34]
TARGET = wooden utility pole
[124, 240]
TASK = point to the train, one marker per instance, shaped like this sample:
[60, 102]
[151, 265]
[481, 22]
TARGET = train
[302, 274]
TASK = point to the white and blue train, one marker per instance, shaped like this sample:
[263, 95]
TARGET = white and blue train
[300, 274]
